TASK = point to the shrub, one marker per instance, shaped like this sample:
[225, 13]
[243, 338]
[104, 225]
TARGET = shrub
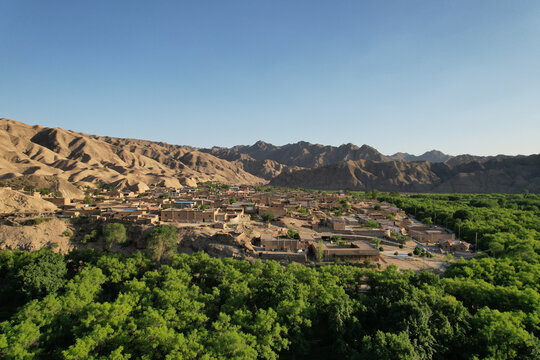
[335, 238]
[67, 233]
[268, 217]
[370, 224]
[90, 237]
[367, 263]
[396, 253]
[381, 248]
[293, 234]
[410, 254]
[44, 191]
[401, 246]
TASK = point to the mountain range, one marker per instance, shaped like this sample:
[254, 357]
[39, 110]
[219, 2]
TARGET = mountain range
[33, 152]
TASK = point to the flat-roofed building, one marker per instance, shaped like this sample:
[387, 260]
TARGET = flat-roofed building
[271, 243]
[189, 215]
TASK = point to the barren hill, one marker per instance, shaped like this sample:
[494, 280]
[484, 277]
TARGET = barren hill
[12, 201]
[73, 156]
[56, 157]
[502, 175]
[434, 156]
[301, 154]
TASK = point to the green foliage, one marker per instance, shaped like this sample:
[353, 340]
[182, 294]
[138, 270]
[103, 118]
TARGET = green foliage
[44, 191]
[30, 275]
[320, 251]
[268, 217]
[302, 210]
[88, 200]
[162, 242]
[462, 214]
[114, 233]
[293, 234]
[90, 237]
[198, 307]
[335, 238]
[345, 205]
[370, 224]
[67, 233]
[337, 212]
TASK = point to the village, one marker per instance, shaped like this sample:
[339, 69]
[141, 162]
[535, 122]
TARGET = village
[285, 225]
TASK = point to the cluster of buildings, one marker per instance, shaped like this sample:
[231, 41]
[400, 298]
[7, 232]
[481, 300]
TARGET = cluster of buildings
[327, 217]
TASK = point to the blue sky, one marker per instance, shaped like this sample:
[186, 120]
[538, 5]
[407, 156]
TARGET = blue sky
[458, 76]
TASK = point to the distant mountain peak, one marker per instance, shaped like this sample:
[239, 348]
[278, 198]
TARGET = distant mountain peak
[434, 156]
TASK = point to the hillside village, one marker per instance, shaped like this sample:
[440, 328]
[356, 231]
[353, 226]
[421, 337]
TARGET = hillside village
[252, 222]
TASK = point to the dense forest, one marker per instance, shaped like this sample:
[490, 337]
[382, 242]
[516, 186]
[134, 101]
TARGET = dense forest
[92, 305]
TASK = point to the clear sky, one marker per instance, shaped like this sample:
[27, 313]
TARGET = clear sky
[458, 76]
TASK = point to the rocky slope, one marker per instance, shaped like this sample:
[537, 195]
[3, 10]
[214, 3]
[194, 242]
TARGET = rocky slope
[434, 156]
[503, 175]
[302, 154]
[73, 156]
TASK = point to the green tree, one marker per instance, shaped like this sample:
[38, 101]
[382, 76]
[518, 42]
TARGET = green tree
[320, 251]
[389, 346]
[462, 214]
[43, 273]
[162, 242]
[114, 233]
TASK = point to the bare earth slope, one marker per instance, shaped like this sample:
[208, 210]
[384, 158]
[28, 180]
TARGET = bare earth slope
[12, 201]
[73, 156]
